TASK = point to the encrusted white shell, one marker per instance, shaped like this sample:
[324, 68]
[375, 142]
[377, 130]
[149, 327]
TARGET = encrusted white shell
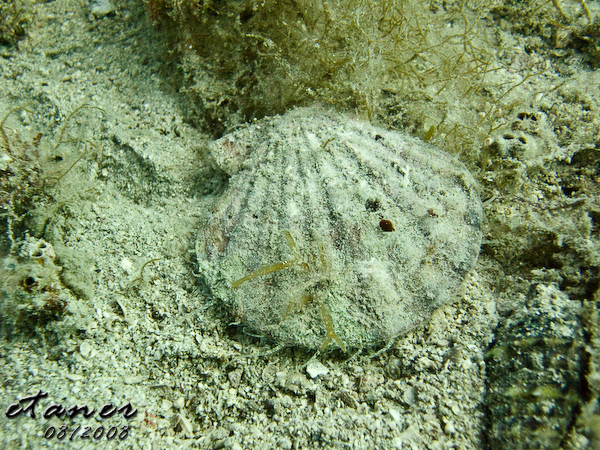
[296, 249]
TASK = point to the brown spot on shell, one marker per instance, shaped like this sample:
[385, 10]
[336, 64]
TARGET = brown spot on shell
[386, 225]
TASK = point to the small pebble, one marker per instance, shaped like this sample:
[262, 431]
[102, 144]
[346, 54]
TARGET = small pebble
[315, 368]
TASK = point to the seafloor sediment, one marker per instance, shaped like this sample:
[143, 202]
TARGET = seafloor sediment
[104, 186]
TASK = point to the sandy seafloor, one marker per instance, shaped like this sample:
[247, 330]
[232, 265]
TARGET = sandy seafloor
[157, 341]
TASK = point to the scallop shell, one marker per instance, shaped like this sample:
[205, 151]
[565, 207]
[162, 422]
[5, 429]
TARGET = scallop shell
[334, 233]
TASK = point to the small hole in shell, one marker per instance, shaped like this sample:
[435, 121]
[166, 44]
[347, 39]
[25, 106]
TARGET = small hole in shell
[372, 205]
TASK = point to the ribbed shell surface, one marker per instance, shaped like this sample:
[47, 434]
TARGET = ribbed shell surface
[296, 246]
